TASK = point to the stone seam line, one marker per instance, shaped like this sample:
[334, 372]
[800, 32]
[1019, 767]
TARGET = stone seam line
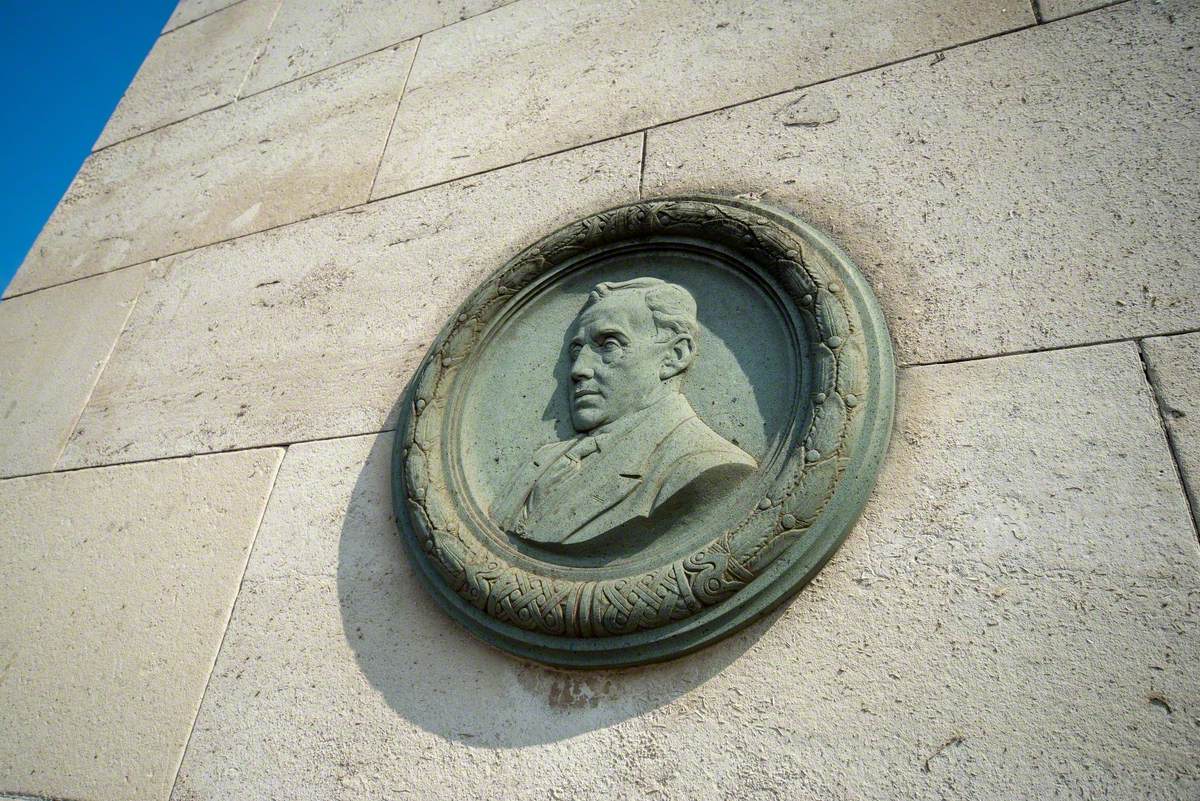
[262, 514]
[193, 454]
[377, 431]
[1167, 437]
[262, 48]
[4, 796]
[163, 33]
[266, 40]
[642, 169]
[103, 365]
[388, 138]
[388, 46]
[571, 148]
[1034, 7]
[194, 114]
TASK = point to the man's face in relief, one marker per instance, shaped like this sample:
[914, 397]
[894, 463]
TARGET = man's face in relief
[616, 363]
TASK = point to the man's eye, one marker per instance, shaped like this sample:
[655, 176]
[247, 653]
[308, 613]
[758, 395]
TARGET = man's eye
[610, 343]
[575, 348]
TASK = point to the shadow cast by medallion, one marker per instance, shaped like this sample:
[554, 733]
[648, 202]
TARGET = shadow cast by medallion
[431, 672]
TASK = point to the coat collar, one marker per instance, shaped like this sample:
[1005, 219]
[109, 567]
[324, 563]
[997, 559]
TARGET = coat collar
[608, 477]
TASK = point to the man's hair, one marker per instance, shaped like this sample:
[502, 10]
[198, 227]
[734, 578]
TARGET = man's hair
[672, 308]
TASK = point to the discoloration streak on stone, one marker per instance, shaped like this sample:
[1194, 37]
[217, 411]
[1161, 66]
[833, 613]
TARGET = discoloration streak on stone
[567, 690]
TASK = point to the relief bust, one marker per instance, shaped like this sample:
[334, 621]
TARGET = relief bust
[644, 431]
[640, 447]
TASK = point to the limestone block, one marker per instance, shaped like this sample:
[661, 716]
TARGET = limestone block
[53, 345]
[538, 76]
[196, 68]
[312, 330]
[1013, 617]
[1023, 192]
[310, 147]
[192, 10]
[1057, 9]
[116, 586]
[309, 35]
[1174, 364]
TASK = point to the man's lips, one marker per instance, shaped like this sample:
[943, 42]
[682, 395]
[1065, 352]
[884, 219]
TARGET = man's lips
[580, 394]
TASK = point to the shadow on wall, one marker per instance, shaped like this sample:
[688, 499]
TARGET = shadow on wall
[434, 674]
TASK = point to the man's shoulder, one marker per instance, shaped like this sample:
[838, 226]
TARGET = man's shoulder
[694, 438]
[693, 450]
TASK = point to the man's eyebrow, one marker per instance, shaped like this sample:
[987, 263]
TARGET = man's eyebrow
[607, 330]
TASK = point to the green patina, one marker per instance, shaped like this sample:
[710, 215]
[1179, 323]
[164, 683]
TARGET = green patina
[644, 432]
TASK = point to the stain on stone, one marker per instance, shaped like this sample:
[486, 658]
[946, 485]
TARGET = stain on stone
[808, 112]
[566, 691]
[952, 741]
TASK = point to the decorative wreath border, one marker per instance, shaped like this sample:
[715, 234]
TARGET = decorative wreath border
[740, 575]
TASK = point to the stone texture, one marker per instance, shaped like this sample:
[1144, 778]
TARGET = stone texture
[1014, 617]
[53, 345]
[1057, 9]
[309, 147]
[115, 588]
[312, 330]
[194, 69]
[1024, 192]
[309, 35]
[192, 10]
[1174, 364]
[541, 75]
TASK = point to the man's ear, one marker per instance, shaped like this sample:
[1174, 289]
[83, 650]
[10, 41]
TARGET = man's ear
[680, 353]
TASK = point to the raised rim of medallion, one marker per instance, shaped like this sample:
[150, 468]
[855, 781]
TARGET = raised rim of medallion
[741, 575]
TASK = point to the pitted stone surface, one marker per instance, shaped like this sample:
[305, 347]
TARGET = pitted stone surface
[312, 330]
[309, 35]
[1056, 9]
[1174, 364]
[538, 76]
[307, 148]
[194, 69]
[1019, 193]
[192, 10]
[53, 345]
[1014, 617]
[115, 588]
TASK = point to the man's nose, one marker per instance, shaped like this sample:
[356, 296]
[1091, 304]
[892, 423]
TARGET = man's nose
[580, 369]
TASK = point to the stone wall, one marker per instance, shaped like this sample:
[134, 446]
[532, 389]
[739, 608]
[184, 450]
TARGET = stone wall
[203, 595]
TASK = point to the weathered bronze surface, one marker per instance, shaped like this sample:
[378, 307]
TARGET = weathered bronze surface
[640, 448]
[644, 431]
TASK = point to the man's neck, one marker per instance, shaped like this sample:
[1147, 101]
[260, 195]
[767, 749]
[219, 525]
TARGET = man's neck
[629, 421]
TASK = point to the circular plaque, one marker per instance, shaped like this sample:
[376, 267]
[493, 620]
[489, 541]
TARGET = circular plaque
[644, 432]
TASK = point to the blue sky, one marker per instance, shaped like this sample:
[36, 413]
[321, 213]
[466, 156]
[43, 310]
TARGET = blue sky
[65, 65]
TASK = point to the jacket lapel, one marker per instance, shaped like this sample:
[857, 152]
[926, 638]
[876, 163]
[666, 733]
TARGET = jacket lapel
[604, 480]
[506, 510]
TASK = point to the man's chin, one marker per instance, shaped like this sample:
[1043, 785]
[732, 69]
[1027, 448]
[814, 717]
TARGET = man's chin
[586, 420]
